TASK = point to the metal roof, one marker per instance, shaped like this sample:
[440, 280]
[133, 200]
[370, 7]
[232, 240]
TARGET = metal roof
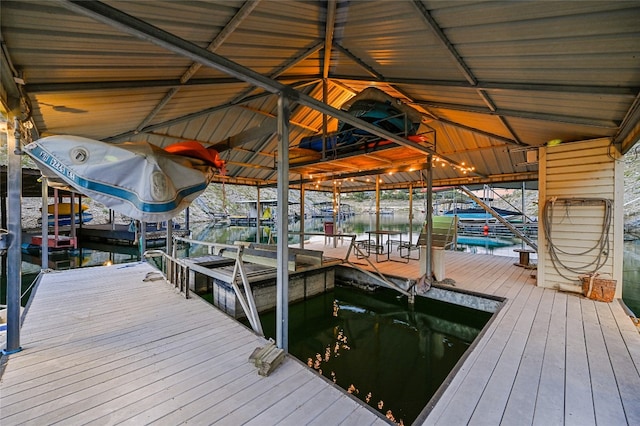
[493, 80]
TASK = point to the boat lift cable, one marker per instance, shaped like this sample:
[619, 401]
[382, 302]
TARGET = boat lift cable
[601, 246]
[493, 191]
[502, 220]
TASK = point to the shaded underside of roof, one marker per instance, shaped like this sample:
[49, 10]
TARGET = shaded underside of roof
[492, 80]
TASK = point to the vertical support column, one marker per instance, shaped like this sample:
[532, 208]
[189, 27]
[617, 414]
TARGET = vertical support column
[258, 230]
[80, 204]
[56, 212]
[410, 214]
[143, 238]
[325, 120]
[302, 194]
[169, 236]
[72, 224]
[429, 230]
[524, 213]
[282, 302]
[44, 247]
[377, 211]
[336, 212]
[14, 226]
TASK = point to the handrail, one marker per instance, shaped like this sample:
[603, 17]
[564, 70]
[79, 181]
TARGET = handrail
[510, 204]
[246, 300]
[174, 270]
[212, 246]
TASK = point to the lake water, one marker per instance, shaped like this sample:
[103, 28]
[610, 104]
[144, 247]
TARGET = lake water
[91, 254]
[631, 276]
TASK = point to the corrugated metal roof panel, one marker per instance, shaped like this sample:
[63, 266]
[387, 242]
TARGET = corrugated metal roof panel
[392, 38]
[488, 75]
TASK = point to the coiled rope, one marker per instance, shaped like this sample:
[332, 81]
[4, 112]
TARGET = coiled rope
[601, 247]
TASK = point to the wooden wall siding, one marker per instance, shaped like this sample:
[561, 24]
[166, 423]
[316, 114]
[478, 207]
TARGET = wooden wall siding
[578, 170]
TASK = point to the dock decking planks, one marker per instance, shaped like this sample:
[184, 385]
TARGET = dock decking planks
[104, 354]
[579, 363]
[101, 345]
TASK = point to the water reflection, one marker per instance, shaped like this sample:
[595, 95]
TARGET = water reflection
[631, 276]
[375, 347]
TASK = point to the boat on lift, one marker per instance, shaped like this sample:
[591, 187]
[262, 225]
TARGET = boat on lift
[475, 213]
[373, 106]
[138, 179]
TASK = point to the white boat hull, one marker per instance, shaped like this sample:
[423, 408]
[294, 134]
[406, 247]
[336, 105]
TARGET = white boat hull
[137, 179]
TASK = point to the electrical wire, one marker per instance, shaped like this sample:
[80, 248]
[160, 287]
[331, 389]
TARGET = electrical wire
[601, 245]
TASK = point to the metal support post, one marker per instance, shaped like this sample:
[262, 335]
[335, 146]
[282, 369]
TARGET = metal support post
[14, 225]
[72, 205]
[258, 218]
[302, 213]
[169, 236]
[143, 238]
[44, 249]
[378, 179]
[282, 302]
[336, 212]
[410, 216]
[429, 230]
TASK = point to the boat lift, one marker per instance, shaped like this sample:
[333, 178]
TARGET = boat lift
[500, 219]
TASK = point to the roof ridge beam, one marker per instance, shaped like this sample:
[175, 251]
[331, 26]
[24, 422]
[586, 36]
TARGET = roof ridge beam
[606, 124]
[328, 36]
[437, 31]
[630, 91]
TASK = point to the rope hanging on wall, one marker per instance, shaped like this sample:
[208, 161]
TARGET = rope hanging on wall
[601, 247]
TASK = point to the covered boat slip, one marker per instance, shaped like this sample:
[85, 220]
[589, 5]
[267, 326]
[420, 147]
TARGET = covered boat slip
[104, 345]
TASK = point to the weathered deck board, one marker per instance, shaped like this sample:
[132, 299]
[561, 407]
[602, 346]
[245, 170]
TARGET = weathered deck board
[607, 404]
[551, 390]
[578, 381]
[462, 405]
[522, 399]
[622, 364]
[495, 396]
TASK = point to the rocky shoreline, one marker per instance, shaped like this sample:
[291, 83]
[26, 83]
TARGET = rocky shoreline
[220, 198]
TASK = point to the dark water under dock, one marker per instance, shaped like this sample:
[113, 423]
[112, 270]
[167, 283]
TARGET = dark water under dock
[378, 348]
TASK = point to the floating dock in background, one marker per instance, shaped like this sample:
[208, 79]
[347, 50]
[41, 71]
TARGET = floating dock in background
[122, 235]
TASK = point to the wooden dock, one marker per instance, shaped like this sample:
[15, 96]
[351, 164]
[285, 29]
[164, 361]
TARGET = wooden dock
[122, 234]
[547, 357]
[102, 345]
